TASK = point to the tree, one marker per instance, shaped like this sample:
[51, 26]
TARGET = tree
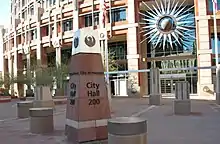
[1, 82]
[112, 62]
[43, 77]
[35, 76]
[7, 80]
[59, 73]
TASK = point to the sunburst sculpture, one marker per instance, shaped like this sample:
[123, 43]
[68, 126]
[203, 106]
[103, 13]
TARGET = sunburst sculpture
[169, 23]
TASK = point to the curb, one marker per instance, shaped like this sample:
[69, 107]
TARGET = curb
[60, 102]
[56, 101]
[5, 100]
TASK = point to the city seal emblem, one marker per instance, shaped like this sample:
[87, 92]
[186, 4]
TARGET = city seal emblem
[90, 41]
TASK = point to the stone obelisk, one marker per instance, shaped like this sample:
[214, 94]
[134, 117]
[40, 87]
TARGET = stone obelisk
[88, 106]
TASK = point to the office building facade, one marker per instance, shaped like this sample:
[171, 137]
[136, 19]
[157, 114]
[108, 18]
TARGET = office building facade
[41, 32]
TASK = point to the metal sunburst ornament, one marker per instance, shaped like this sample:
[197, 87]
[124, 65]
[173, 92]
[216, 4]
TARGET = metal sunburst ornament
[168, 23]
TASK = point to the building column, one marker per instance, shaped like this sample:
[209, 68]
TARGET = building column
[75, 15]
[27, 53]
[132, 50]
[56, 43]
[133, 58]
[143, 65]
[20, 73]
[10, 72]
[15, 60]
[205, 85]
[39, 51]
[5, 69]
[143, 77]
[57, 3]
[15, 72]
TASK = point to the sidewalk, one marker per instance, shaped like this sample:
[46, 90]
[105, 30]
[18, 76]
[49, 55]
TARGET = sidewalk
[202, 127]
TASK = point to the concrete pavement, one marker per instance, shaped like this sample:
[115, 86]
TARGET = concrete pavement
[201, 127]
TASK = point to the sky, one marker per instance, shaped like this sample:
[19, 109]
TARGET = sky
[4, 12]
[4, 20]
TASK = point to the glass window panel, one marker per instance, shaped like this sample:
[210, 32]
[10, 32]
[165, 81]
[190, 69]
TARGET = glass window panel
[210, 5]
[118, 14]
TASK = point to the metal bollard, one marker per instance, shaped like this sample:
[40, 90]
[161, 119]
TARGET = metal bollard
[182, 103]
[23, 109]
[127, 130]
[182, 90]
[155, 88]
[41, 120]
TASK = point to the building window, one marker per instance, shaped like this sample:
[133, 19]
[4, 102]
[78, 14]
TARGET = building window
[41, 3]
[52, 2]
[96, 19]
[19, 16]
[23, 3]
[210, 5]
[68, 25]
[24, 15]
[65, 55]
[213, 46]
[122, 67]
[118, 14]
[32, 10]
[15, 10]
[88, 19]
[47, 2]
[45, 31]
[119, 49]
[52, 30]
[34, 34]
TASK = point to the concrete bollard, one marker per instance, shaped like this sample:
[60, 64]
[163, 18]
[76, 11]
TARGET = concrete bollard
[182, 103]
[23, 109]
[127, 130]
[41, 120]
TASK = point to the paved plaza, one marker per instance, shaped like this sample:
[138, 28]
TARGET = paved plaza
[201, 127]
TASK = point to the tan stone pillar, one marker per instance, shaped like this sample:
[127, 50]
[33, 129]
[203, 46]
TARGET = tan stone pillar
[203, 51]
[132, 50]
[133, 59]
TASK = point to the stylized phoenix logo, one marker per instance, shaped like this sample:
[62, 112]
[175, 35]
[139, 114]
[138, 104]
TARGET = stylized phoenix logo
[90, 41]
